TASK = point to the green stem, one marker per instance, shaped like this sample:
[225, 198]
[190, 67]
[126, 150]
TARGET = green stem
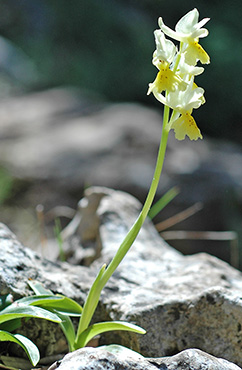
[104, 275]
[132, 234]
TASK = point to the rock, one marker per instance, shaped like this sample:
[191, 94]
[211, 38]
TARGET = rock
[103, 218]
[176, 298]
[115, 358]
[18, 264]
[182, 301]
[65, 131]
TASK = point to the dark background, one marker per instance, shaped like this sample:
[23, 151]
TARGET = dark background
[106, 46]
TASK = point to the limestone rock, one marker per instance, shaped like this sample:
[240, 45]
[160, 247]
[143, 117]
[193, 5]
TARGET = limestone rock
[70, 140]
[182, 301]
[116, 358]
[18, 264]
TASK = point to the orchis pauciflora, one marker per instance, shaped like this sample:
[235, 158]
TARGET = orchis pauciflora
[174, 85]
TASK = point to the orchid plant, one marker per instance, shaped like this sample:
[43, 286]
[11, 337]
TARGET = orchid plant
[175, 88]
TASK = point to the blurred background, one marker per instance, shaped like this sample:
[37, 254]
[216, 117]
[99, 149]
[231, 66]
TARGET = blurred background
[97, 45]
[104, 49]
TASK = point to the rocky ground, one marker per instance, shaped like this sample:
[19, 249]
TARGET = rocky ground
[182, 302]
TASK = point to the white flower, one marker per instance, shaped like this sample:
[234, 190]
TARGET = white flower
[165, 49]
[187, 29]
[187, 100]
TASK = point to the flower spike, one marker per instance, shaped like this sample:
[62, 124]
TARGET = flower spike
[174, 84]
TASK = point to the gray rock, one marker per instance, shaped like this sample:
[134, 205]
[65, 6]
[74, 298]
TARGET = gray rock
[64, 132]
[176, 298]
[182, 301]
[18, 264]
[116, 358]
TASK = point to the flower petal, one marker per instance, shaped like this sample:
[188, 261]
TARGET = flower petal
[187, 22]
[169, 32]
[165, 49]
[187, 68]
[187, 28]
[166, 80]
[202, 22]
[186, 101]
[186, 125]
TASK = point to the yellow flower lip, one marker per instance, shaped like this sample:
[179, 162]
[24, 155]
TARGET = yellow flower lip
[196, 52]
[186, 125]
[166, 80]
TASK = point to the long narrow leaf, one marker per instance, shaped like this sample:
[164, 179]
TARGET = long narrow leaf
[11, 325]
[36, 299]
[5, 300]
[38, 288]
[66, 323]
[66, 305]
[68, 330]
[91, 302]
[18, 311]
[163, 201]
[7, 367]
[60, 303]
[103, 327]
[29, 347]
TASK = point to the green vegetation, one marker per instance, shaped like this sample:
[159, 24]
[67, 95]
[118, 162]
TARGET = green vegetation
[57, 308]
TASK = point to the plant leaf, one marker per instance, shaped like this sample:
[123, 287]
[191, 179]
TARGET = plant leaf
[60, 303]
[7, 367]
[68, 308]
[38, 288]
[5, 300]
[11, 325]
[163, 201]
[91, 302]
[68, 330]
[102, 327]
[17, 311]
[30, 348]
